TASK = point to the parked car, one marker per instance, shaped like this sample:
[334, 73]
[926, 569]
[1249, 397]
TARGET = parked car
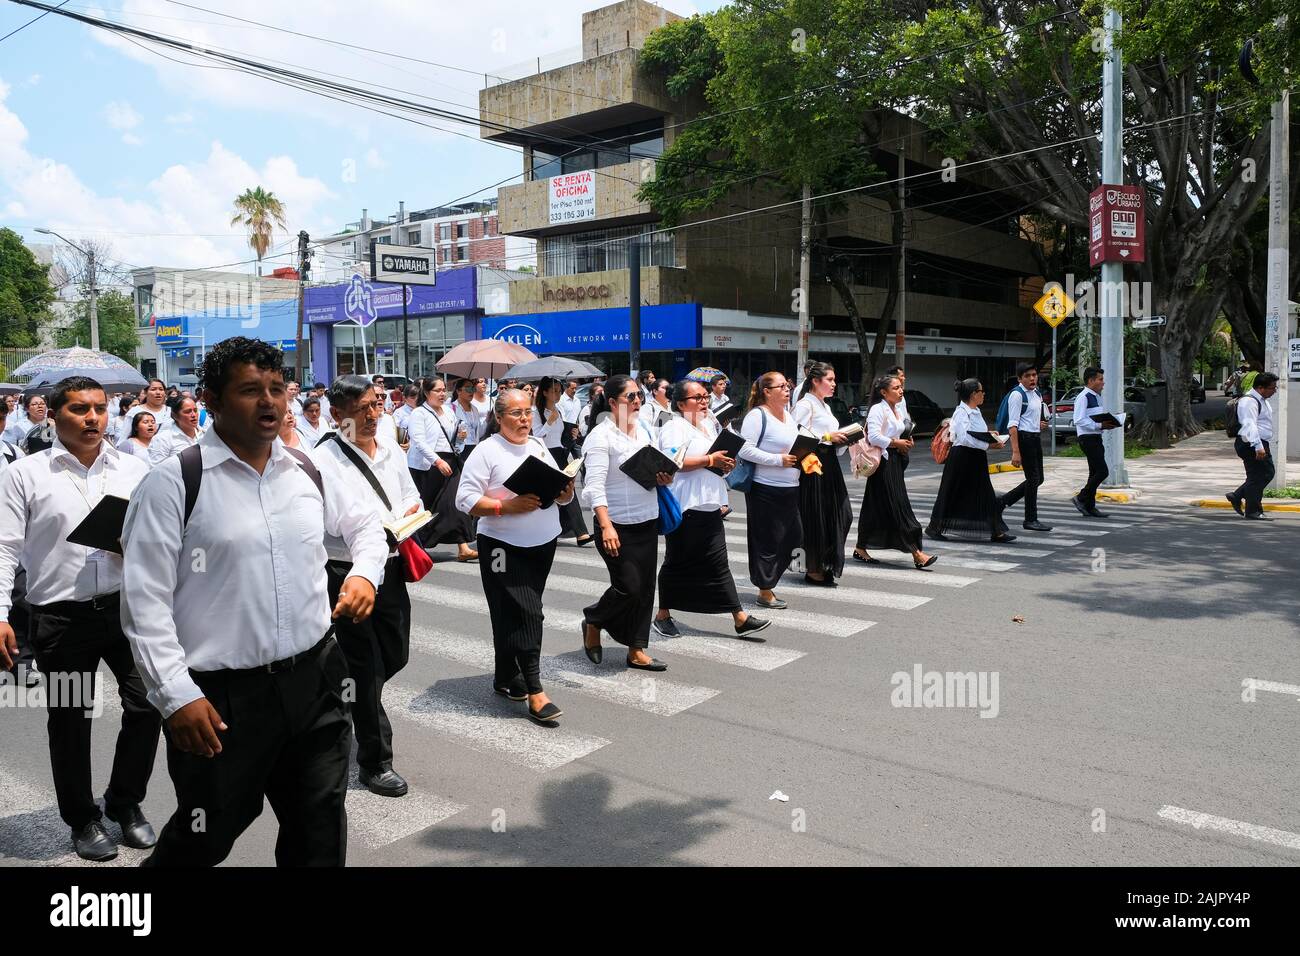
[1197, 387]
[1063, 412]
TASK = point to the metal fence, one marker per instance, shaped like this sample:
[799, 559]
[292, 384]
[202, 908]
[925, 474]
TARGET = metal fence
[12, 358]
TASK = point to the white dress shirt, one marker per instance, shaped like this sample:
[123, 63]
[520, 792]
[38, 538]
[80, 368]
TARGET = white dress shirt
[386, 432]
[570, 408]
[650, 413]
[402, 416]
[964, 421]
[133, 447]
[484, 405]
[1255, 416]
[16, 431]
[1025, 416]
[243, 584]
[816, 416]
[486, 472]
[885, 424]
[388, 466]
[604, 451]
[9, 450]
[172, 442]
[552, 433]
[777, 441]
[162, 416]
[698, 489]
[475, 423]
[43, 497]
[310, 434]
[1087, 401]
[429, 431]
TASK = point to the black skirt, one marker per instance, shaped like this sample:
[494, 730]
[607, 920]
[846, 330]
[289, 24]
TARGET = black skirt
[513, 588]
[826, 514]
[624, 610]
[449, 525]
[886, 520]
[966, 506]
[696, 575]
[572, 523]
[773, 532]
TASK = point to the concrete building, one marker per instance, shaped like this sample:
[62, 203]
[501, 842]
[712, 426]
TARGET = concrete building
[721, 293]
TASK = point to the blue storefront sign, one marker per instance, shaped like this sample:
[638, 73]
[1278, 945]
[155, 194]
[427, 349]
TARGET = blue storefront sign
[362, 301]
[171, 331]
[663, 328]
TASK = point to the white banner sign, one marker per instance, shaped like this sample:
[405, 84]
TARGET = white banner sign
[572, 197]
[1295, 358]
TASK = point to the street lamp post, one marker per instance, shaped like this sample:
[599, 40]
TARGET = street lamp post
[90, 274]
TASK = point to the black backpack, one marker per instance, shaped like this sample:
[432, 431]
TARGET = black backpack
[192, 475]
[1230, 419]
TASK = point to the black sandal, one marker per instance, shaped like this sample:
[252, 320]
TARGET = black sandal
[867, 560]
[922, 565]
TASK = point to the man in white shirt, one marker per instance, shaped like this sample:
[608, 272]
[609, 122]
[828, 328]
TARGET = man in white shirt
[378, 647]
[1086, 404]
[73, 592]
[1025, 422]
[1255, 421]
[155, 402]
[226, 605]
[570, 408]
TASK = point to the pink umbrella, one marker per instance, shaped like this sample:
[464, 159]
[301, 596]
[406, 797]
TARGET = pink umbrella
[483, 358]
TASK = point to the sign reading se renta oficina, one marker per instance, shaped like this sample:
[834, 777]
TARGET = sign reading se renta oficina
[1116, 225]
[572, 197]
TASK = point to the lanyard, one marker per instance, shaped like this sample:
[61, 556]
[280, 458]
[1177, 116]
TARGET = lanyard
[85, 492]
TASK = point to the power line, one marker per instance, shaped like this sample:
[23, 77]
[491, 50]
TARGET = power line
[30, 22]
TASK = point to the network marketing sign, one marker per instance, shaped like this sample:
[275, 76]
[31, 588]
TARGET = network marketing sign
[663, 328]
[362, 301]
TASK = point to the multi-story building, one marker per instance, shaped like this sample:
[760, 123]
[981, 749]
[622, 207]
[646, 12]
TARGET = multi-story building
[720, 292]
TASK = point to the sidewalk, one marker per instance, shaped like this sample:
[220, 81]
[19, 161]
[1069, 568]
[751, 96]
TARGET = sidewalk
[1201, 468]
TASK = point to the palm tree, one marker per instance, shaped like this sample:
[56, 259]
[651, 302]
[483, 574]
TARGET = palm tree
[259, 212]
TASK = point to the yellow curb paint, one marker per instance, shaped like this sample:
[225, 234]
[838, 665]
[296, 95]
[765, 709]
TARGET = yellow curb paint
[1118, 497]
[1268, 505]
[1003, 466]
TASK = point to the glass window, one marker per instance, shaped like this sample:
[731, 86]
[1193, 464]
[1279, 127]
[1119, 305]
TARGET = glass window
[462, 230]
[387, 330]
[431, 329]
[345, 334]
[545, 165]
[653, 146]
[611, 155]
[455, 329]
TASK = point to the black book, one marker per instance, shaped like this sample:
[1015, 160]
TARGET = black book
[991, 437]
[804, 445]
[644, 466]
[102, 528]
[727, 413]
[662, 419]
[727, 442]
[907, 430]
[541, 478]
[1106, 418]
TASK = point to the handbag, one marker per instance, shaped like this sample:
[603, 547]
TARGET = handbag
[670, 512]
[742, 476]
[865, 458]
[941, 443]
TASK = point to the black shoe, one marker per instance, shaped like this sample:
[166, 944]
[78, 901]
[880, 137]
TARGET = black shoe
[826, 582]
[515, 690]
[867, 560]
[1094, 513]
[752, 625]
[1036, 526]
[386, 783]
[654, 665]
[594, 654]
[1236, 504]
[136, 831]
[93, 843]
[773, 605]
[548, 714]
[1004, 539]
[667, 627]
[1079, 506]
[1258, 516]
[583, 542]
[922, 565]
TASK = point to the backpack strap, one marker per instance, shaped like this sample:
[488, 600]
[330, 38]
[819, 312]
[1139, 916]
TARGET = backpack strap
[352, 456]
[191, 460]
[308, 466]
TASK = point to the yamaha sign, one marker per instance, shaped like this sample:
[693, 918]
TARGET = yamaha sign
[413, 265]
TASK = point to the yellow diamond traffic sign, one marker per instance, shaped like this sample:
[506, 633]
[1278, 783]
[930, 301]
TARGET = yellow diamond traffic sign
[1054, 306]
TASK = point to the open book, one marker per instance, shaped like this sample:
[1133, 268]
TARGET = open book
[402, 528]
[541, 478]
[1106, 418]
[644, 466]
[853, 431]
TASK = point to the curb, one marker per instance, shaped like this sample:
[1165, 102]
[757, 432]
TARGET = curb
[1119, 497]
[1268, 505]
[1002, 467]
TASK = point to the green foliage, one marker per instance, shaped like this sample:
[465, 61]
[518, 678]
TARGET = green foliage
[1290, 491]
[117, 329]
[25, 292]
[1132, 449]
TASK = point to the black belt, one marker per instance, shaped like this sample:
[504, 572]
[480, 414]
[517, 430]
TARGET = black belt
[96, 605]
[275, 667]
[344, 567]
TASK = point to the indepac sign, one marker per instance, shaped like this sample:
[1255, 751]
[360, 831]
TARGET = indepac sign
[1116, 224]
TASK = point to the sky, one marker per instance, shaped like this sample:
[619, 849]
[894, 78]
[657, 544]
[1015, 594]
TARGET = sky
[103, 138]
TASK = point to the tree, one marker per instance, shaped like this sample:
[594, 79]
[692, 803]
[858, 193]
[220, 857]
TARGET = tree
[25, 292]
[117, 329]
[259, 212]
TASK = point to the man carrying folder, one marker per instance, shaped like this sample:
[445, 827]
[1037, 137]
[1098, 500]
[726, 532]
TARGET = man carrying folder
[1087, 406]
[75, 619]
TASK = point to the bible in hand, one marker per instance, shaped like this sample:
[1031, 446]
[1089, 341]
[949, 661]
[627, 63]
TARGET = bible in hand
[402, 528]
[102, 528]
[1106, 418]
[541, 478]
[645, 465]
[729, 444]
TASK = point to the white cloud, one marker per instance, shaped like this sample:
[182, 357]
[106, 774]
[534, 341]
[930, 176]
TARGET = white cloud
[121, 115]
[374, 160]
[131, 139]
[179, 119]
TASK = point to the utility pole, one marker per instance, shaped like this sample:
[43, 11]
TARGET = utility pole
[900, 329]
[805, 271]
[94, 299]
[1112, 273]
[304, 267]
[634, 305]
[1277, 322]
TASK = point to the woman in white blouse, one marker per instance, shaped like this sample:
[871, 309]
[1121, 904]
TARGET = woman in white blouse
[522, 533]
[548, 425]
[184, 432]
[773, 528]
[627, 516]
[886, 519]
[435, 466]
[658, 410]
[471, 421]
[312, 427]
[823, 499]
[696, 573]
[289, 430]
[143, 432]
[967, 505]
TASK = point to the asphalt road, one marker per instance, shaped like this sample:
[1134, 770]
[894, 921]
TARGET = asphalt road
[1117, 716]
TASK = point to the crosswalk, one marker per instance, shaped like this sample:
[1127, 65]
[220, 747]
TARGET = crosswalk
[457, 711]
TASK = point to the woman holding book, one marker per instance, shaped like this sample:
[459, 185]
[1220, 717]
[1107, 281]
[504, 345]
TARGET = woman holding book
[886, 519]
[696, 574]
[627, 515]
[773, 527]
[435, 466]
[823, 498]
[967, 505]
[521, 533]
[548, 425]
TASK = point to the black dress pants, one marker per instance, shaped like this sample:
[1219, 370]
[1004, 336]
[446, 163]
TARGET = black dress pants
[1095, 452]
[69, 640]
[20, 620]
[376, 650]
[1031, 461]
[1259, 472]
[288, 742]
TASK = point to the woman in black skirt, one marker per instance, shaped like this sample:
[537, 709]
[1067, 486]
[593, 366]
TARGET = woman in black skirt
[548, 425]
[627, 516]
[773, 527]
[522, 534]
[967, 505]
[823, 499]
[696, 574]
[886, 519]
[435, 466]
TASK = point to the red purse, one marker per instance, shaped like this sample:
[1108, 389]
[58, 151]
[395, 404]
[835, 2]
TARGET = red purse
[416, 562]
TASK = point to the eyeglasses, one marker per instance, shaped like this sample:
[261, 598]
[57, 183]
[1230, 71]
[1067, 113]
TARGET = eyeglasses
[785, 386]
[696, 398]
[518, 414]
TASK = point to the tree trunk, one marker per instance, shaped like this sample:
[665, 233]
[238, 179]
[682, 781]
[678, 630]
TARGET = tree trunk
[1191, 314]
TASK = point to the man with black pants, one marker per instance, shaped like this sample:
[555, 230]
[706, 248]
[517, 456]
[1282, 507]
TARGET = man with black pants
[1255, 421]
[225, 602]
[72, 591]
[1087, 404]
[1025, 422]
[364, 468]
